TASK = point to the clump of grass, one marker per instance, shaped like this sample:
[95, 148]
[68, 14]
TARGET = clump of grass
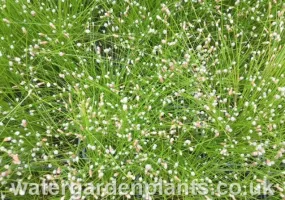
[93, 91]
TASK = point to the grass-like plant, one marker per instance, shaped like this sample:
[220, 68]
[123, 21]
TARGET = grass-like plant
[93, 91]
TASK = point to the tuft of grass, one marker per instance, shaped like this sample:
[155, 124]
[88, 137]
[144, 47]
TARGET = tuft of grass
[92, 91]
